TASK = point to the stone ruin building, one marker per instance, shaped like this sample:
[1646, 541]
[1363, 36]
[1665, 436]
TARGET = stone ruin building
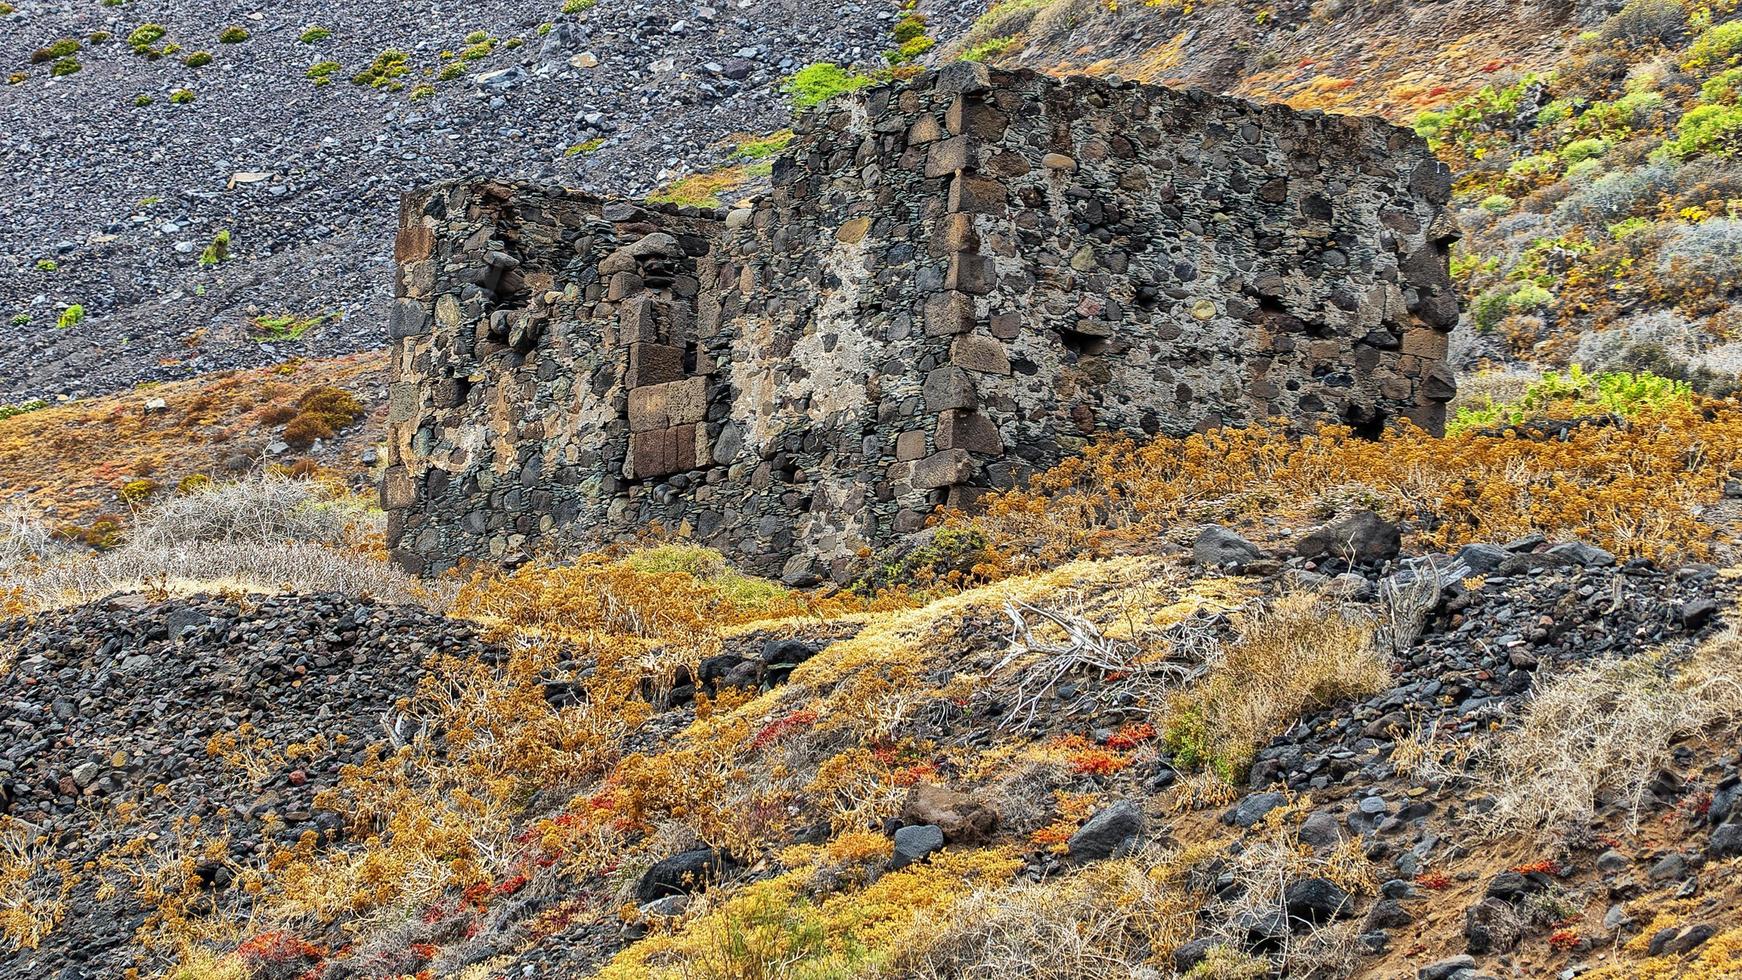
[954, 281]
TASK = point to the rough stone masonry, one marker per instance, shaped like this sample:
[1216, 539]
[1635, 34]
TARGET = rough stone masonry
[955, 280]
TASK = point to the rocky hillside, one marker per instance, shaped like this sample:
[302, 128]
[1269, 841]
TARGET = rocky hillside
[213, 186]
[203, 177]
[1235, 705]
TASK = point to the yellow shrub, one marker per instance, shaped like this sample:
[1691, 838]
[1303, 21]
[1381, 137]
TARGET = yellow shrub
[1634, 489]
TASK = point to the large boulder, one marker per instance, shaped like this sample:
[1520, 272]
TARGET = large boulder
[681, 874]
[963, 819]
[1359, 537]
[915, 844]
[1218, 547]
[1114, 831]
[1316, 901]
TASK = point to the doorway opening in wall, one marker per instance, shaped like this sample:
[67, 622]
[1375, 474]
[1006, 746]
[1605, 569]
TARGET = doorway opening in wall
[1082, 344]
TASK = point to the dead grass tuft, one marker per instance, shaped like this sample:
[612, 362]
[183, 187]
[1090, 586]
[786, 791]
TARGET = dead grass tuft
[1601, 733]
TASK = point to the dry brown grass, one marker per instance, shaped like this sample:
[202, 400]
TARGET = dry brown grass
[1109, 921]
[1297, 654]
[263, 534]
[1601, 733]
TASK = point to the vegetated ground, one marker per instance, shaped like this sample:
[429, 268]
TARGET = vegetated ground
[102, 457]
[116, 201]
[1212, 707]
[1228, 706]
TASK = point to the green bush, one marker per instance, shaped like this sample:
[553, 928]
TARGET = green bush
[34, 405]
[1623, 393]
[1536, 165]
[181, 96]
[767, 146]
[142, 100]
[1707, 129]
[65, 67]
[1724, 88]
[314, 35]
[322, 72]
[1635, 110]
[1529, 296]
[218, 250]
[1579, 151]
[384, 71]
[72, 316]
[147, 34]
[62, 48]
[1497, 204]
[576, 6]
[233, 34]
[817, 83]
[47, 265]
[1718, 47]
[988, 49]
[199, 59]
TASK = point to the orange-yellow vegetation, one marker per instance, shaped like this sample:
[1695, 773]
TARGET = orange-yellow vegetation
[70, 460]
[1635, 488]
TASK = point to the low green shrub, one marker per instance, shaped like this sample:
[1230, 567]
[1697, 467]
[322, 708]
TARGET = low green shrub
[1626, 394]
[1719, 47]
[218, 250]
[1708, 129]
[817, 83]
[314, 35]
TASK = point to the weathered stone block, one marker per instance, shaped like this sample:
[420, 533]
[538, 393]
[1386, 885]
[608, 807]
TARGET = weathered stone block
[852, 231]
[398, 489]
[972, 116]
[674, 403]
[910, 445]
[1426, 342]
[949, 156]
[943, 468]
[407, 318]
[973, 194]
[977, 352]
[976, 275]
[414, 243]
[652, 364]
[947, 388]
[947, 314]
[957, 233]
[968, 430]
[652, 454]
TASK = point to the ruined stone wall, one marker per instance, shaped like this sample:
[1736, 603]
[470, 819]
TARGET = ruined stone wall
[954, 280]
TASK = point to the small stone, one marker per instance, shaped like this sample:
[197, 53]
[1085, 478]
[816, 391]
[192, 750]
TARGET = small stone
[914, 844]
